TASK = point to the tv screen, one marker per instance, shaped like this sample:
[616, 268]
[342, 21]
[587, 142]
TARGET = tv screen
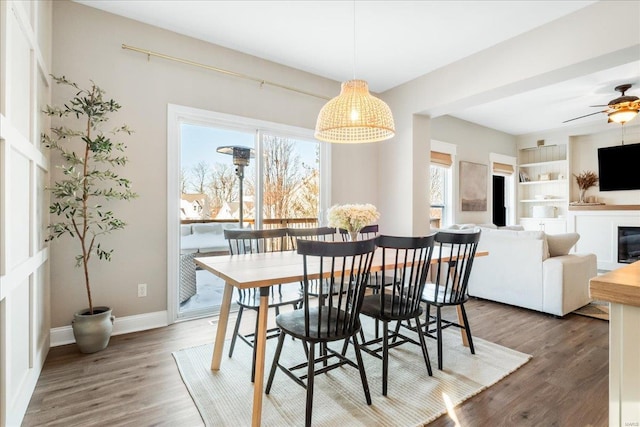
[619, 167]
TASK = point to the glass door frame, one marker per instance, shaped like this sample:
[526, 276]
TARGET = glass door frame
[177, 115]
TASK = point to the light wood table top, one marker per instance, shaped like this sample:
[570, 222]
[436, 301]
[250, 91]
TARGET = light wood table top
[621, 286]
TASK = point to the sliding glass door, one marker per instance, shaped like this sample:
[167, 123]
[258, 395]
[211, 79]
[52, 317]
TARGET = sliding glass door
[280, 172]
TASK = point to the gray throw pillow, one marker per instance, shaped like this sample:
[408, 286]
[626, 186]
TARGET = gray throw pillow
[561, 244]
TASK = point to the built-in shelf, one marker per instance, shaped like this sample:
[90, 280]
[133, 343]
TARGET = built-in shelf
[543, 200]
[548, 163]
[548, 181]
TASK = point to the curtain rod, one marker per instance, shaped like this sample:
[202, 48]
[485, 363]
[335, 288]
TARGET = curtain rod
[262, 82]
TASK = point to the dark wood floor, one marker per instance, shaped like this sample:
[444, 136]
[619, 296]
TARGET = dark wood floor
[135, 380]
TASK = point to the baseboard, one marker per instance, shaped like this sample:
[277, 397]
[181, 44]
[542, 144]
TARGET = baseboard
[122, 325]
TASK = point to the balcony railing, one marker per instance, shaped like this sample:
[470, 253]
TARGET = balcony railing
[267, 222]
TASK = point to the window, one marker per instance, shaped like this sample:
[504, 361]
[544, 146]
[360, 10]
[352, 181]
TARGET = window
[441, 178]
[439, 195]
[284, 185]
[209, 181]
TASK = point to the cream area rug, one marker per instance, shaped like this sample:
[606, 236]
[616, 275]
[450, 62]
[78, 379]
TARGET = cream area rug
[224, 397]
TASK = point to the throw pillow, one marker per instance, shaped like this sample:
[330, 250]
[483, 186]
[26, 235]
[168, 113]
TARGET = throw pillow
[561, 244]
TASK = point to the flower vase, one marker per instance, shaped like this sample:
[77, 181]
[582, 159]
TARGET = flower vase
[583, 198]
[353, 236]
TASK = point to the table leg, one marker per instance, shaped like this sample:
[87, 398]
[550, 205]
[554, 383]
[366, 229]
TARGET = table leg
[221, 331]
[260, 342]
[465, 340]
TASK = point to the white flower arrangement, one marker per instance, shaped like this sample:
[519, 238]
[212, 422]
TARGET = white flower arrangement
[352, 217]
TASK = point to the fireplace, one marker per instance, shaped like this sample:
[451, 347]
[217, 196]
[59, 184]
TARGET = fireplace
[628, 244]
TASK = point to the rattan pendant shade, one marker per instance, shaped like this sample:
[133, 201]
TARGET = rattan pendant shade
[355, 116]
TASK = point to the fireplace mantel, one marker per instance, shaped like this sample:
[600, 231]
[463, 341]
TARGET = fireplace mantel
[605, 208]
[598, 229]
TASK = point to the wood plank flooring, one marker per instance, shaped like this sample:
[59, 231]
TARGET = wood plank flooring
[135, 382]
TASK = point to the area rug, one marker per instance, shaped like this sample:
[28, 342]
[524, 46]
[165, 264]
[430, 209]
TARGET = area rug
[224, 397]
[596, 309]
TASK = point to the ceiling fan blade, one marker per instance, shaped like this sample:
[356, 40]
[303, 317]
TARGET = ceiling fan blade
[586, 115]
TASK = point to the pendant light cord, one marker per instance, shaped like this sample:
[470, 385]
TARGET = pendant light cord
[354, 39]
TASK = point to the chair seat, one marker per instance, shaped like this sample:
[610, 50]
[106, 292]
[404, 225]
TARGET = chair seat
[442, 298]
[288, 295]
[371, 308]
[293, 323]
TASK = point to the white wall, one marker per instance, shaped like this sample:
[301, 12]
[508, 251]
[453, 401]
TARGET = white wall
[474, 144]
[25, 62]
[86, 46]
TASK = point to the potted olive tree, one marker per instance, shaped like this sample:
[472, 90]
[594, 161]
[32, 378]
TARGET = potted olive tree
[89, 159]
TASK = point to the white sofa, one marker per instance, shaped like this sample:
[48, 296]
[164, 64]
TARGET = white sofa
[532, 270]
[204, 237]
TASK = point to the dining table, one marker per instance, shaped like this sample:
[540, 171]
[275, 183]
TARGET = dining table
[262, 270]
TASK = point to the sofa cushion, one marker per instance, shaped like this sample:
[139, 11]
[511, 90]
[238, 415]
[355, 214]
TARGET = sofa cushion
[561, 244]
[493, 226]
[512, 227]
[185, 229]
[522, 234]
[207, 228]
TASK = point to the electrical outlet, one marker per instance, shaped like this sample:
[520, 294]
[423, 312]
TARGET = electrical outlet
[142, 289]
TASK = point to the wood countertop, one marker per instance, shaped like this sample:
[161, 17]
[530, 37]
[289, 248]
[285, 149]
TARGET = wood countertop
[621, 286]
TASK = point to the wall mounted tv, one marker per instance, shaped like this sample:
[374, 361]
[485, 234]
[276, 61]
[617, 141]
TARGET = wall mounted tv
[618, 167]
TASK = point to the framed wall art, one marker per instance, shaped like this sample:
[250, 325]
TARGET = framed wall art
[473, 186]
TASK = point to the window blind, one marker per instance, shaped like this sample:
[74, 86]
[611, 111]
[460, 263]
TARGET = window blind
[502, 168]
[441, 159]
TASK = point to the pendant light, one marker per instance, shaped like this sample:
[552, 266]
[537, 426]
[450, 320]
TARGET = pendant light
[355, 116]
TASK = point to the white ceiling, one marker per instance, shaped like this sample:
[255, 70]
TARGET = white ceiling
[414, 36]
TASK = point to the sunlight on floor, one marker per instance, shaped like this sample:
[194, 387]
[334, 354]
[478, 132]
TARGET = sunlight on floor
[450, 409]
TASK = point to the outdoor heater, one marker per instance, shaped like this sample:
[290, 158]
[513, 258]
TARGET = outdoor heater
[241, 156]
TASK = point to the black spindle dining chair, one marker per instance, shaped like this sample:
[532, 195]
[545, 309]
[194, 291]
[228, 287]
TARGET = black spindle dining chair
[399, 300]
[258, 241]
[322, 234]
[335, 318]
[451, 282]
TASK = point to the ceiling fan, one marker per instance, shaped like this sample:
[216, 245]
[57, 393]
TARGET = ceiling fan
[620, 110]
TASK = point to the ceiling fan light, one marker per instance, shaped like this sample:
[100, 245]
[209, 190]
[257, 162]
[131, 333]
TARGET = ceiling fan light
[623, 115]
[355, 116]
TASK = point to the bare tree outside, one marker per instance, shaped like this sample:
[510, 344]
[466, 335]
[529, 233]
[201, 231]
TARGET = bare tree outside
[221, 187]
[184, 180]
[200, 173]
[437, 192]
[291, 185]
[281, 177]
[307, 204]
